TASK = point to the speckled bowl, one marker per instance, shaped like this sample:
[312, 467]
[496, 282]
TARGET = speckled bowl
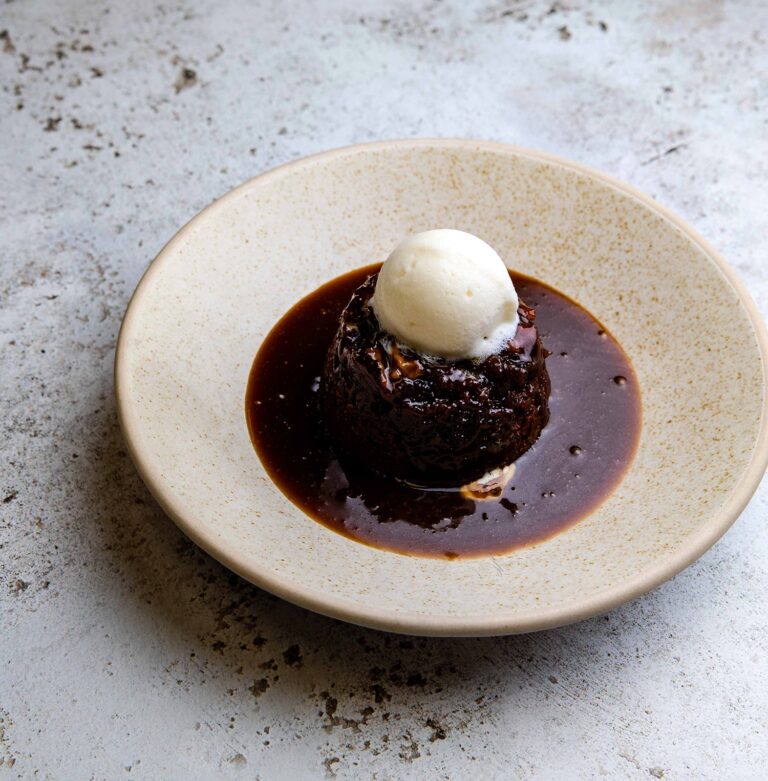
[205, 304]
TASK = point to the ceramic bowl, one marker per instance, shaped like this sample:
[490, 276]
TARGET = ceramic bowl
[696, 340]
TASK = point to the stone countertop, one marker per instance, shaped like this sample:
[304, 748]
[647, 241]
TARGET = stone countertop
[125, 652]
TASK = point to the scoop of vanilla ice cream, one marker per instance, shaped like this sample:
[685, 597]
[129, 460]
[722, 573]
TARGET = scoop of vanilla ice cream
[447, 293]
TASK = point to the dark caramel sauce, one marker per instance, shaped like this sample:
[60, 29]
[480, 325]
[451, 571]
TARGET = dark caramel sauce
[579, 459]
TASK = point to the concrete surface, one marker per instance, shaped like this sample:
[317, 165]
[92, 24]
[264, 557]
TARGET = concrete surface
[127, 653]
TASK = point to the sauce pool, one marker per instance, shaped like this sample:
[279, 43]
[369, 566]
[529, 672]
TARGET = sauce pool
[576, 463]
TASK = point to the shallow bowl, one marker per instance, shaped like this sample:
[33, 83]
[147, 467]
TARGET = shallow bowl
[696, 340]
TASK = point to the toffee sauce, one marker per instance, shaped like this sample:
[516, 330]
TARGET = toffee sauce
[576, 463]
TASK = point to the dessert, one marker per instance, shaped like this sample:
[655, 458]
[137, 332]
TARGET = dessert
[577, 460]
[436, 374]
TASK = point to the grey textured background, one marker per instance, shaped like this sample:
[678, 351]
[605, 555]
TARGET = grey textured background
[127, 653]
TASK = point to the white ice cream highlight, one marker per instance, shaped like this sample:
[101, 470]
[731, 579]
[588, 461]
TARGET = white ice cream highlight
[447, 293]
